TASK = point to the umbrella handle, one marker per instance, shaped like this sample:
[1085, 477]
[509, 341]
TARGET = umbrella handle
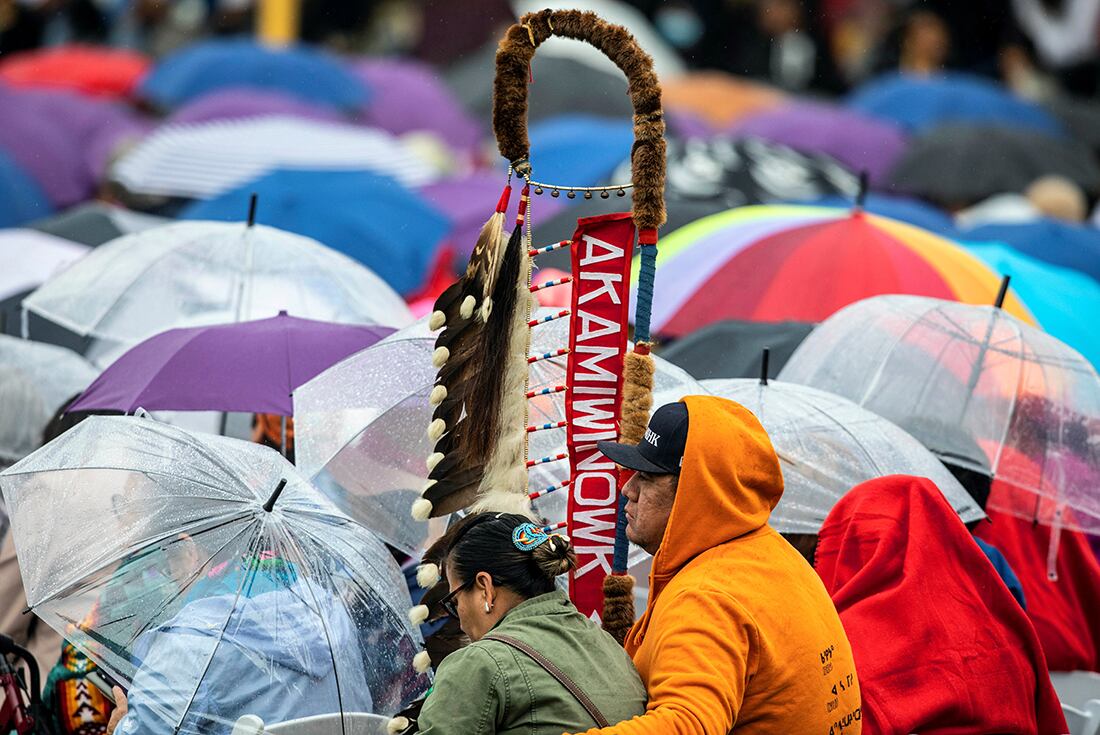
[513, 63]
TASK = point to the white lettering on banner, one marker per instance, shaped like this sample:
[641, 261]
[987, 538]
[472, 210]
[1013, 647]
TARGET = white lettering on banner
[610, 252]
[601, 276]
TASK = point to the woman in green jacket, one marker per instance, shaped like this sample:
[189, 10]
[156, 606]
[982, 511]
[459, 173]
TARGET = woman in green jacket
[500, 570]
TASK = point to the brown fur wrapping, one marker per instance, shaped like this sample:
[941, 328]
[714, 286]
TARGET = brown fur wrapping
[510, 97]
[637, 396]
[618, 605]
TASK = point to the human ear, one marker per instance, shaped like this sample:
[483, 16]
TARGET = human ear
[485, 583]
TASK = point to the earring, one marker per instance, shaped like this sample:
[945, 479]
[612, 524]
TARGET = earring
[488, 607]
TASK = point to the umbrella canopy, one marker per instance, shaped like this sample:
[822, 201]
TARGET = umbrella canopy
[960, 164]
[21, 197]
[717, 98]
[1058, 297]
[579, 150]
[195, 273]
[30, 258]
[92, 70]
[409, 96]
[920, 103]
[215, 581]
[906, 209]
[859, 142]
[303, 72]
[1052, 241]
[732, 348]
[59, 137]
[977, 386]
[360, 427]
[35, 381]
[235, 103]
[204, 160]
[370, 218]
[95, 223]
[253, 367]
[827, 445]
[803, 263]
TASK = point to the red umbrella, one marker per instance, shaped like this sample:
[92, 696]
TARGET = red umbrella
[92, 70]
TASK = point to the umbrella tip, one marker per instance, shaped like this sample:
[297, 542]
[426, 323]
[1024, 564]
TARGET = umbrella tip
[764, 367]
[252, 209]
[861, 195]
[1003, 292]
[270, 504]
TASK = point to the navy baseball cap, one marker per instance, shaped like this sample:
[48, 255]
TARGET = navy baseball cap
[661, 451]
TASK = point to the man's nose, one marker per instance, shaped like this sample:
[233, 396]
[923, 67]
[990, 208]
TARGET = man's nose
[630, 489]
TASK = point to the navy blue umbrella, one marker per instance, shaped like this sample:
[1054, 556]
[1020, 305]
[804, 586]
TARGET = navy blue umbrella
[921, 103]
[21, 198]
[1059, 243]
[914, 211]
[306, 73]
[370, 218]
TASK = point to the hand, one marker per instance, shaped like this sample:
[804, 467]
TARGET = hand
[121, 708]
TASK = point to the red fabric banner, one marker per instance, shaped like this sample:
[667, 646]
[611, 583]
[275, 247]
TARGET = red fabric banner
[601, 250]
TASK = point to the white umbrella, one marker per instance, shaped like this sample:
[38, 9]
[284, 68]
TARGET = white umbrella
[827, 445]
[35, 380]
[202, 160]
[361, 427]
[198, 273]
[30, 258]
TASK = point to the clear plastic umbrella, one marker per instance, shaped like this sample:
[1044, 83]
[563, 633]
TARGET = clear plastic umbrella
[198, 273]
[35, 380]
[361, 427]
[978, 387]
[827, 445]
[209, 577]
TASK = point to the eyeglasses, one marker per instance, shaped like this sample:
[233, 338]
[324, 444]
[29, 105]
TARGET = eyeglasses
[448, 602]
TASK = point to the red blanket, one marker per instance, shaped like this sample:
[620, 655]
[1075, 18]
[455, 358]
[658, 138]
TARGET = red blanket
[940, 644]
[1066, 612]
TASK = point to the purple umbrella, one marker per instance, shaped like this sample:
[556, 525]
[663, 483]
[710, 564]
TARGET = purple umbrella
[49, 133]
[252, 367]
[409, 96]
[859, 142]
[234, 103]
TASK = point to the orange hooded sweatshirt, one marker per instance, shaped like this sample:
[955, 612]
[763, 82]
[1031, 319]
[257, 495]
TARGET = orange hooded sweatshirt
[739, 634]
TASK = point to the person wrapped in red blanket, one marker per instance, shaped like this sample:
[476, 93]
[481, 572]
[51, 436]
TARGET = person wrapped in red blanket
[940, 644]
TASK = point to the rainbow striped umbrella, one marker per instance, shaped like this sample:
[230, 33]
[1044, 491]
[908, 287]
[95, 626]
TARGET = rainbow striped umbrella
[775, 263]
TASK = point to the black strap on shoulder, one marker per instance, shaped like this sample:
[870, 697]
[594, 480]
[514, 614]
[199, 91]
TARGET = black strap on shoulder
[554, 671]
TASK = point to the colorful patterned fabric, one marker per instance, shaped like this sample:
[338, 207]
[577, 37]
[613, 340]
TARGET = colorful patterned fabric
[77, 706]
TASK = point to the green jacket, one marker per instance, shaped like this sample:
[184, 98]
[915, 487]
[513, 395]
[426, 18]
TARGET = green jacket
[489, 687]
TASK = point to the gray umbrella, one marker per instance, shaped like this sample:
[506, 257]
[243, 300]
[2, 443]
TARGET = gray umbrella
[960, 164]
[732, 348]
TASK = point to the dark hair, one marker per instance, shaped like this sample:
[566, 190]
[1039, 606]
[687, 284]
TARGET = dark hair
[977, 484]
[483, 543]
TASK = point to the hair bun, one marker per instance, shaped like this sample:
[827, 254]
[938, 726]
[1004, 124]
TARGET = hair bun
[555, 556]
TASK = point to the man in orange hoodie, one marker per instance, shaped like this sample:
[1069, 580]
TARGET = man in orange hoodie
[739, 634]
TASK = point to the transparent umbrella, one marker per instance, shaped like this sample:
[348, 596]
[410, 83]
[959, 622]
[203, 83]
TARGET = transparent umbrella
[35, 380]
[361, 428]
[200, 273]
[978, 387]
[209, 577]
[827, 445]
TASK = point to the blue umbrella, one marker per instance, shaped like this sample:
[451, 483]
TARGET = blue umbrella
[1058, 243]
[905, 209]
[365, 216]
[922, 103]
[579, 150]
[21, 199]
[306, 73]
[1058, 297]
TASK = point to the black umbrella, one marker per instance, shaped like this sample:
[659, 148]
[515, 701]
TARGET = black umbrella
[732, 349]
[95, 223]
[960, 164]
[706, 176]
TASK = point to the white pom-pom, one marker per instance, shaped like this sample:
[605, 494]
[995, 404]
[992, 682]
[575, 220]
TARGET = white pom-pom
[436, 429]
[433, 459]
[418, 614]
[486, 309]
[396, 725]
[438, 395]
[427, 575]
[437, 320]
[422, 662]
[440, 357]
[467, 309]
[421, 509]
